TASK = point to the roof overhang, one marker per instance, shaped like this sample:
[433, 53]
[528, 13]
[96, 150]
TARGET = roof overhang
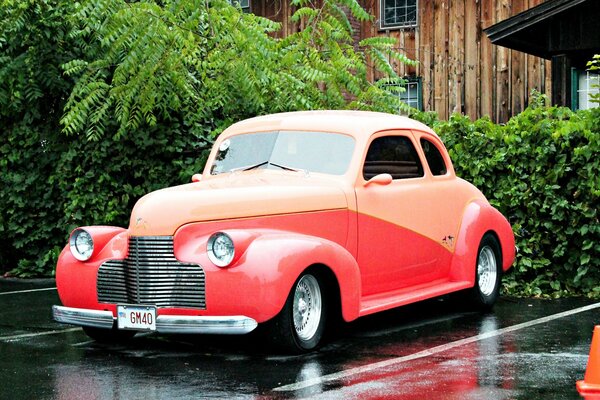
[552, 28]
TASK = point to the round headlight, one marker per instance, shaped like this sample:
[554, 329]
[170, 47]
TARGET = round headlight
[220, 249]
[82, 244]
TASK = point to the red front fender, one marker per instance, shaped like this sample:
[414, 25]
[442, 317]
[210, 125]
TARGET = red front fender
[76, 280]
[258, 283]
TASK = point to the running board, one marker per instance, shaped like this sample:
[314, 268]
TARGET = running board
[380, 302]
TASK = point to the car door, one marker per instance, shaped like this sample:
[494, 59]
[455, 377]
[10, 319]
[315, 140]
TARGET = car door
[396, 244]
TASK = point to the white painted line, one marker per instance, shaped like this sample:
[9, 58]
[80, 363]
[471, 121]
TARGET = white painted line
[28, 335]
[28, 291]
[428, 352]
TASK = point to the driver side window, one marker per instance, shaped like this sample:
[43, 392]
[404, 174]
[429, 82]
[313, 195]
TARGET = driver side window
[394, 155]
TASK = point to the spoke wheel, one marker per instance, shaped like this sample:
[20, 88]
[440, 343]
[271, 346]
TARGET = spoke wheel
[307, 307]
[488, 274]
[487, 270]
[300, 325]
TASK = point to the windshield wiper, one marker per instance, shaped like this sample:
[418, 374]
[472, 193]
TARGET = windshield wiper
[249, 167]
[254, 166]
[286, 168]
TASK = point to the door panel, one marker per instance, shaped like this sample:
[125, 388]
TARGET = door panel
[406, 229]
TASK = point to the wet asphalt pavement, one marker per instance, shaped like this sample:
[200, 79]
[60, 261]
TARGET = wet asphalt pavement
[525, 349]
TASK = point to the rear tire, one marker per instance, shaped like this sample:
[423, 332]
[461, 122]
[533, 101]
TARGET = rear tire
[488, 274]
[300, 325]
[113, 335]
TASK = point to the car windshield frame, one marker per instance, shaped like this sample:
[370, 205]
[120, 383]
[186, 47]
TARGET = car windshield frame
[288, 150]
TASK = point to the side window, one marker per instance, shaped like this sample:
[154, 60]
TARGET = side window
[394, 155]
[437, 166]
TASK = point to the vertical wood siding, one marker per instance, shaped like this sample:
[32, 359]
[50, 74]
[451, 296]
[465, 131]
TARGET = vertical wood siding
[461, 70]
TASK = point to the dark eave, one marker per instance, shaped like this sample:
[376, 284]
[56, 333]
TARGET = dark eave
[551, 28]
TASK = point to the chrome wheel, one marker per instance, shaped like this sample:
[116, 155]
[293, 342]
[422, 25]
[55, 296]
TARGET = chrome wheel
[307, 307]
[487, 270]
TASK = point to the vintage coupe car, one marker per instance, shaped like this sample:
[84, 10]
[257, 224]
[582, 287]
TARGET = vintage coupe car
[298, 219]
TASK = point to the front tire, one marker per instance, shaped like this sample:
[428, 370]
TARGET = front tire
[300, 325]
[488, 273]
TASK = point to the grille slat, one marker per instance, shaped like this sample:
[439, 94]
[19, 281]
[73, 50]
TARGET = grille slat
[151, 275]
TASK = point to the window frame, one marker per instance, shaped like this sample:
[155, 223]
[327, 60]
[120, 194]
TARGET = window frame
[415, 150]
[411, 80]
[575, 89]
[237, 3]
[419, 83]
[411, 25]
[440, 153]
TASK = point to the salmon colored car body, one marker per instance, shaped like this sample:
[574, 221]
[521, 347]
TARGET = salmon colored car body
[297, 219]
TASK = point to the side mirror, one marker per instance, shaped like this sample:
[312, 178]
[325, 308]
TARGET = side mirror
[381, 179]
[196, 177]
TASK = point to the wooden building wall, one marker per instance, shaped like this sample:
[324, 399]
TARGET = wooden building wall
[461, 70]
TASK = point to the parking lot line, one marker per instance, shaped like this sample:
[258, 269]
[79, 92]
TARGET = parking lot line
[28, 291]
[28, 335]
[428, 352]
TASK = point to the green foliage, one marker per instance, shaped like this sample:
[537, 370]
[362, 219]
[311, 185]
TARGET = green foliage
[150, 83]
[33, 44]
[209, 64]
[540, 170]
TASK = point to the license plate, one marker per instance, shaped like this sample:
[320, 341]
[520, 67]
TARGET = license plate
[139, 318]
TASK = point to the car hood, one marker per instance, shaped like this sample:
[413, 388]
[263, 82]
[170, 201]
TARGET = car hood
[236, 195]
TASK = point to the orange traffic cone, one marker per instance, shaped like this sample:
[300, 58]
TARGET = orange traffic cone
[590, 385]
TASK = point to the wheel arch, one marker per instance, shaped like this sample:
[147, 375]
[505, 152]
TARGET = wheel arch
[332, 287]
[479, 219]
[267, 270]
[339, 272]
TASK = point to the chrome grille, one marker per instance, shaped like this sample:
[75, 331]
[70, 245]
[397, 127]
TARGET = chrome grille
[151, 275]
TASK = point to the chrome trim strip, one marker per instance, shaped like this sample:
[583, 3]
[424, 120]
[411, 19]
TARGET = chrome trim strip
[83, 317]
[227, 325]
[218, 325]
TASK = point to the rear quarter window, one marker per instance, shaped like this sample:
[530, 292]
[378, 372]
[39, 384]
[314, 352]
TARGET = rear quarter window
[434, 158]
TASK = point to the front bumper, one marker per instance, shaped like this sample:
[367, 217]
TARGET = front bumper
[221, 325]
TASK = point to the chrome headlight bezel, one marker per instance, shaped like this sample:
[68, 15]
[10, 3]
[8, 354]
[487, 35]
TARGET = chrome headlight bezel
[220, 249]
[81, 244]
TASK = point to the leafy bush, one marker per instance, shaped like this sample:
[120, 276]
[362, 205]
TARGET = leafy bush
[33, 44]
[157, 111]
[210, 64]
[150, 83]
[541, 170]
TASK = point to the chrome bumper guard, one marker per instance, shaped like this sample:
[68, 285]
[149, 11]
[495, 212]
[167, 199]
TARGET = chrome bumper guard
[226, 325]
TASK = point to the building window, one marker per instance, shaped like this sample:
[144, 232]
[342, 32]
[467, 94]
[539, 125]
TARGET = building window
[396, 14]
[243, 4]
[584, 84]
[412, 94]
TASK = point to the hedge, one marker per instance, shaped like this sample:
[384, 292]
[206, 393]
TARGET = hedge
[50, 186]
[150, 83]
[542, 171]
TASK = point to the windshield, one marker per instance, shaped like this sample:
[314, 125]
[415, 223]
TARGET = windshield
[327, 153]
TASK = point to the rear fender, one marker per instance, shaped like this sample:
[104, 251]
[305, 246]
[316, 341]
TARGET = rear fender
[480, 218]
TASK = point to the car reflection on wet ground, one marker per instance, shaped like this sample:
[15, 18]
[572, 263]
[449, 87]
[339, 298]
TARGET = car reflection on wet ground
[525, 349]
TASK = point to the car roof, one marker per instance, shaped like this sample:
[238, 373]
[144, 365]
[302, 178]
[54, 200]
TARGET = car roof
[355, 123]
